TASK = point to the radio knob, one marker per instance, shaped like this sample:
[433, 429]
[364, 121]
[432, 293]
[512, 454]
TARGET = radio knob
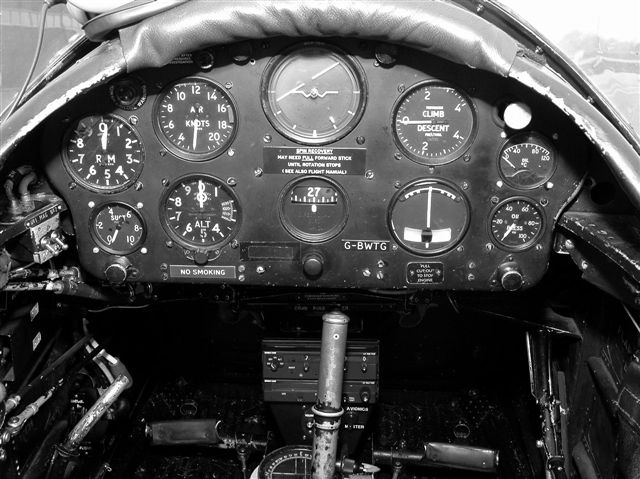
[312, 265]
[510, 276]
[274, 366]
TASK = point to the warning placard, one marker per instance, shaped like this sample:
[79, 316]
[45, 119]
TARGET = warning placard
[281, 160]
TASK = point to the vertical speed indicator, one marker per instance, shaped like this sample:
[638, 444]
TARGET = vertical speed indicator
[433, 123]
[196, 119]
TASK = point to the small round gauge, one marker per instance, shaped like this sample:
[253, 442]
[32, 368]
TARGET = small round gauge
[516, 223]
[288, 461]
[527, 160]
[314, 94]
[428, 216]
[118, 228]
[196, 119]
[313, 209]
[434, 123]
[201, 211]
[103, 153]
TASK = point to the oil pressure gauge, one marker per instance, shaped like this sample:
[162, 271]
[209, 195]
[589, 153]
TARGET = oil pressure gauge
[516, 224]
[428, 216]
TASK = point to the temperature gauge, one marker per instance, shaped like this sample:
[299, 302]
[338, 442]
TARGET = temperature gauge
[313, 209]
[526, 161]
[118, 228]
[428, 216]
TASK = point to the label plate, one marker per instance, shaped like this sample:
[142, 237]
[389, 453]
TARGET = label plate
[283, 160]
[202, 272]
[366, 245]
[425, 273]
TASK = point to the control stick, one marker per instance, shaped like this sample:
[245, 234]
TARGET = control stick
[328, 408]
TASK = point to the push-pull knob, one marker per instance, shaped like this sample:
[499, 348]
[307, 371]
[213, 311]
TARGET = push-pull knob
[117, 271]
[312, 265]
[510, 276]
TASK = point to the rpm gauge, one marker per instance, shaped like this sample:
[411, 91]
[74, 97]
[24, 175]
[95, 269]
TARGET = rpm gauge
[516, 224]
[201, 211]
[527, 160]
[428, 216]
[118, 228]
[433, 123]
[103, 153]
[196, 119]
[314, 94]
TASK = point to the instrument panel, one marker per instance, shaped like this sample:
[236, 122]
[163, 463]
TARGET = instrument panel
[315, 164]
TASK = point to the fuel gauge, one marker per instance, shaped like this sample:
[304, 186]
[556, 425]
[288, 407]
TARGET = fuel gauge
[313, 209]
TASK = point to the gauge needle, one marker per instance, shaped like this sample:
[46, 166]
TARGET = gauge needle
[293, 90]
[201, 196]
[115, 234]
[429, 212]
[104, 139]
[509, 163]
[511, 227]
[196, 123]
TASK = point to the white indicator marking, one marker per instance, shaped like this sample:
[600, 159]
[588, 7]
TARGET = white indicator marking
[314, 208]
[284, 95]
[434, 107]
[320, 73]
[350, 112]
[315, 133]
[414, 235]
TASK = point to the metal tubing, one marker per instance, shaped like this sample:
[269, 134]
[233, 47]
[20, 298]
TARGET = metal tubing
[328, 409]
[95, 413]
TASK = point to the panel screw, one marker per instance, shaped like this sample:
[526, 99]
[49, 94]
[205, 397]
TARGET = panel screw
[460, 249]
[369, 174]
[467, 157]
[471, 265]
[432, 169]
[258, 172]
[555, 136]
[164, 267]
[538, 247]
[91, 204]
[401, 88]
[165, 182]
[549, 185]
[231, 181]
[539, 444]
[494, 200]
[471, 277]
[397, 184]
[165, 276]
[544, 202]
[163, 152]
[480, 9]
[72, 185]
[144, 250]
[584, 264]
[499, 183]
[379, 275]
[569, 244]
[266, 138]
[465, 185]
[241, 268]
[231, 152]
[228, 85]
[366, 272]
[139, 204]
[260, 270]
[133, 120]
[394, 247]
[96, 250]
[360, 140]
[138, 186]
[241, 278]
[397, 155]
[169, 244]
[235, 244]
[539, 50]
[381, 263]
[489, 247]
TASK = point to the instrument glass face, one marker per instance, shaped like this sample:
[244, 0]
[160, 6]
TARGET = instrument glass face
[516, 224]
[527, 161]
[201, 211]
[433, 123]
[118, 228]
[428, 217]
[196, 119]
[314, 95]
[103, 153]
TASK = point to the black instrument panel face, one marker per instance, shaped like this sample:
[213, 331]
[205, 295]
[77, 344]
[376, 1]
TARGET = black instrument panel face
[312, 165]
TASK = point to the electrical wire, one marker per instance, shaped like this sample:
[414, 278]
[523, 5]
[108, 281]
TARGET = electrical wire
[43, 17]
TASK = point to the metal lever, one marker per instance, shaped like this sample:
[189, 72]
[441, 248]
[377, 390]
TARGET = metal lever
[328, 408]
